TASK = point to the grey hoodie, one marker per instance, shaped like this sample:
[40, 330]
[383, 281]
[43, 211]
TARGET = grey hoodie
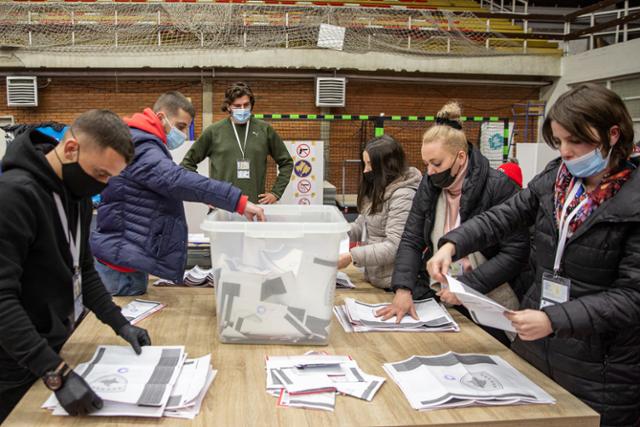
[381, 232]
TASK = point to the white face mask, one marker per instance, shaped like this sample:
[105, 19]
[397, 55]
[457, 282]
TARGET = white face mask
[241, 115]
[175, 138]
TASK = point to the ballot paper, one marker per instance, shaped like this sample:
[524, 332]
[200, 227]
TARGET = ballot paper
[344, 246]
[139, 309]
[312, 380]
[196, 277]
[357, 316]
[344, 281]
[323, 401]
[198, 239]
[159, 382]
[453, 380]
[483, 309]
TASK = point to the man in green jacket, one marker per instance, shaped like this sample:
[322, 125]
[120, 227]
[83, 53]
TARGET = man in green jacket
[237, 148]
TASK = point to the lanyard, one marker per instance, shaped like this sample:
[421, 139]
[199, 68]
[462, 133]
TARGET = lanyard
[563, 225]
[74, 246]
[246, 134]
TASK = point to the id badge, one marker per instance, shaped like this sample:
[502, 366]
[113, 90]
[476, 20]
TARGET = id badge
[78, 307]
[244, 169]
[555, 290]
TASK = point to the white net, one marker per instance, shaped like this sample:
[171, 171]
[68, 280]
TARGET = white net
[179, 26]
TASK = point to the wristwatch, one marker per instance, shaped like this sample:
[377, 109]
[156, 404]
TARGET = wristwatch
[54, 380]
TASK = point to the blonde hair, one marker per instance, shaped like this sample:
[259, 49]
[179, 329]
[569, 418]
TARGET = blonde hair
[454, 139]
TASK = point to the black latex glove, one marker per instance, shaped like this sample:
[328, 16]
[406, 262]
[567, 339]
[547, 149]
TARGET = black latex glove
[135, 336]
[76, 397]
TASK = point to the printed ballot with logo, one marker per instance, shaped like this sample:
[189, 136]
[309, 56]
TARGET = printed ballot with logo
[275, 280]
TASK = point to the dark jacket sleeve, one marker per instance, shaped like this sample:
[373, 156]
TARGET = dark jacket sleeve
[494, 225]
[409, 258]
[162, 175]
[18, 335]
[283, 159]
[198, 152]
[609, 311]
[513, 250]
[94, 295]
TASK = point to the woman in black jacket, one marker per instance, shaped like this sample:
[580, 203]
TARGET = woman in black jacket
[459, 184]
[580, 319]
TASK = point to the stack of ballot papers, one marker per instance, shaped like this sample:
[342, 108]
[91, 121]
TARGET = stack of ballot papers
[139, 309]
[196, 277]
[357, 316]
[314, 379]
[159, 382]
[483, 309]
[344, 281]
[452, 380]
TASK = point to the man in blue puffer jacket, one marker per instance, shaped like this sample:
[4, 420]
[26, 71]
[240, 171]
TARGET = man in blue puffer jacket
[141, 227]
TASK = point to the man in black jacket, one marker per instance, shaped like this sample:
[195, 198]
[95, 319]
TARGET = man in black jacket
[47, 277]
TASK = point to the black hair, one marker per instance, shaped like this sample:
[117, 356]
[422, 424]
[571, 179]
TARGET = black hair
[388, 163]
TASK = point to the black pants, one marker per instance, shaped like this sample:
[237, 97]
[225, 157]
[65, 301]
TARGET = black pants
[15, 381]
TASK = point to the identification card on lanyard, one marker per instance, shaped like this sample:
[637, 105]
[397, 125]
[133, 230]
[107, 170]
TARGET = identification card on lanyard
[74, 248]
[243, 167]
[555, 288]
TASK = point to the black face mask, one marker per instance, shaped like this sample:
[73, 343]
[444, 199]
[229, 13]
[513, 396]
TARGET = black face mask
[79, 183]
[368, 176]
[443, 179]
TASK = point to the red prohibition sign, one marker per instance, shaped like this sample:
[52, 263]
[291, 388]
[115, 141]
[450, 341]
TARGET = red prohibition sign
[304, 186]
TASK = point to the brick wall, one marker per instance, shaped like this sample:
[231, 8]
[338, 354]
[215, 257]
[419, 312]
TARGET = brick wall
[63, 99]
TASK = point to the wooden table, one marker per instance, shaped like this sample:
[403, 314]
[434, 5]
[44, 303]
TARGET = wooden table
[238, 397]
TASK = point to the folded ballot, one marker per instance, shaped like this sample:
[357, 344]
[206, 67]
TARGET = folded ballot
[140, 309]
[196, 277]
[344, 281]
[357, 316]
[159, 382]
[313, 380]
[483, 309]
[453, 380]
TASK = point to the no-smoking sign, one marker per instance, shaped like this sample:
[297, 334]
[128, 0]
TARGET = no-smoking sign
[303, 151]
[304, 186]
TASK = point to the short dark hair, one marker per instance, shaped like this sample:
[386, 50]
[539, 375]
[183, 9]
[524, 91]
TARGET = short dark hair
[388, 163]
[172, 102]
[106, 129]
[592, 106]
[235, 91]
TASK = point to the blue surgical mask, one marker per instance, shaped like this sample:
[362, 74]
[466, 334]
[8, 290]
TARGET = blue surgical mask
[588, 164]
[175, 138]
[241, 115]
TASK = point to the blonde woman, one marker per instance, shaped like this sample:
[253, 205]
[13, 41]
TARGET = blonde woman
[459, 184]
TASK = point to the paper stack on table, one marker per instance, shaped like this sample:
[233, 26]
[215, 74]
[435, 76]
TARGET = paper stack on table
[159, 382]
[313, 380]
[453, 380]
[357, 316]
[140, 309]
[196, 277]
[483, 310]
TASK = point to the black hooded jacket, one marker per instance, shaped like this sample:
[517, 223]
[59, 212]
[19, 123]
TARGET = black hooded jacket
[36, 295]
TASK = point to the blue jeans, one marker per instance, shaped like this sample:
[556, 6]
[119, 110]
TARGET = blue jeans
[122, 284]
